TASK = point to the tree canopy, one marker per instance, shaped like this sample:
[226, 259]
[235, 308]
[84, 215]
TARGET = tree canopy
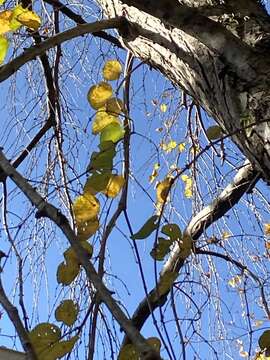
[134, 166]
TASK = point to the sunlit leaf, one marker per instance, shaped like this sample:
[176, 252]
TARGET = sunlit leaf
[60, 349]
[112, 70]
[258, 323]
[99, 94]
[173, 231]
[103, 119]
[161, 249]
[163, 189]
[188, 186]
[67, 273]
[163, 108]
[97, 182]
[5, 17]
[29, 19]
[267, 229]
[154, 173]
[113, 132]
[214, 132]
[181, 147]
[2, 2]
[264, 340]
[4, 44]
[67, 312]
[226, 235]
[114, 186]
[235, 281]
[15, 24]
[103, 160]
[147, 229]
[86, 207]
[87, 229]
[114, 106]
[155, 343]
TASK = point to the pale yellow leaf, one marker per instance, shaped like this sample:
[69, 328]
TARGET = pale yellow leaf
[99, 94]
[4, 44]
[114, 186]
[112, 70]
[86, 208]
[163, 107]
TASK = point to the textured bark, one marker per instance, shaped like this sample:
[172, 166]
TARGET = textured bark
[217, 52]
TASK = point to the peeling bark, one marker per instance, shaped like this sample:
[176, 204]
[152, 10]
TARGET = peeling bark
[217, 52]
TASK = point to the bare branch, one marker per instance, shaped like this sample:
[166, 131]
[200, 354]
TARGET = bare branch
[47, 210]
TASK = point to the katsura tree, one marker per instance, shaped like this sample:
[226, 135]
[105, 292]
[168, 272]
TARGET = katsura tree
[134, 164]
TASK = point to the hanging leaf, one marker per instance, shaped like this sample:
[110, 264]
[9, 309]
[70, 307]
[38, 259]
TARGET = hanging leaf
[181, 147]
[113, 132]
[214, 132]
[97, 182]
[163, 108]
[128, 352]
[59, 349]
[4, 44]
[2, 2]
[99, 94]
[29, 19]
[112, 70]
[114, 186]
[71, 257]
[147, 229]
[43, 336]
[5, 17]
[86, 207]
[67, 312]
[185, 244]
[103, 160]
[163, 189]
[154, 173]
[67, 273]
[16, 11]
[161, 249]
[103, 119]
[87, 229]
[114, 106]
[267, 229]
[173, 231]
[264, 340]
[188, 186]
[155, 343]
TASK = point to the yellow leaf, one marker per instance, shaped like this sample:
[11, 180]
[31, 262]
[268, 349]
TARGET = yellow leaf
[29, 19]
[14, 23]
[163, 107]
[3, 48]
[87, 229]
[86, 208]
[163, 189]
[267, 229]
[114, 186]
[226, 235]
[99, 94]
[67, 312]
[234, 281]
[103, 119]
[2, 2]
[114, 106]
[5, 17]
[188, 186]
[67, 273]
[70, 254]
[181, 147]
[112, 70]
[59, 349]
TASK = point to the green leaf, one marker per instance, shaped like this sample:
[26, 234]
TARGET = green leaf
[97, 182]
[173, 231]
[264, 340]
[102, 160]
[67, 312]
[214, 132]
[4, 44]
[147, 228]
[155, 343]
[128, 352]
[112, 132]
[67, 273]
[161, 249]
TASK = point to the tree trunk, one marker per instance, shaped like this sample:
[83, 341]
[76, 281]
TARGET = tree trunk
[217, 51]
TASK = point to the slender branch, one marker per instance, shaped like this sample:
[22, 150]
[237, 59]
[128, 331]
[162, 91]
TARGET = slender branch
[79, 20]
[242, 182]
[47, 210]
[31, 53]
[16, 321]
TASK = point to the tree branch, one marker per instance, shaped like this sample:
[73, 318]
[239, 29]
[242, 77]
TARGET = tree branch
[242, 182]
[29, 54]
[47, 210]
